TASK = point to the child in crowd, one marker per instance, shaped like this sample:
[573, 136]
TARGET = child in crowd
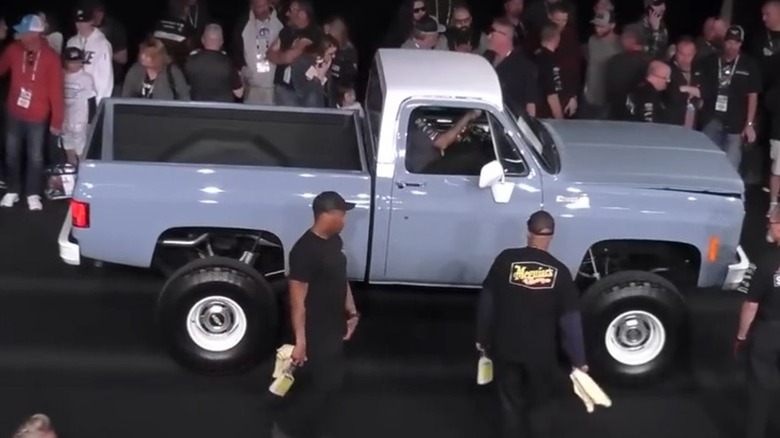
[80, 104]
[348, 100]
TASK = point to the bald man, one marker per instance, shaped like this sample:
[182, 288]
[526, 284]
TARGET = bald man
[647, 102]
[683, 94]
[212, 74]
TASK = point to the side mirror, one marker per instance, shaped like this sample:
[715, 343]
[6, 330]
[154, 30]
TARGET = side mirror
[492, 175]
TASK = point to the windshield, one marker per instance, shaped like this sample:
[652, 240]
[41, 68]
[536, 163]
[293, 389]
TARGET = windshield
[536, 135]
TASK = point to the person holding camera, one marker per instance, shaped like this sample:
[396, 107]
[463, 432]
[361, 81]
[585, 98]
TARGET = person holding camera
[309, 74]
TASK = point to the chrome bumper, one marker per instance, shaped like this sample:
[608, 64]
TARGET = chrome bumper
[737, 271]
[69, 251]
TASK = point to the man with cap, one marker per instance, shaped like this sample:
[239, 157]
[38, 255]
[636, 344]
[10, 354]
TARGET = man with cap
[80, 103]
[759, 331]
[654, 28]
[647, 102]
[98, 54]
[730, 84]
[323, 316]
[602, 45]
[426, 35]
[625, 70]
[34, 104]
[527, 298]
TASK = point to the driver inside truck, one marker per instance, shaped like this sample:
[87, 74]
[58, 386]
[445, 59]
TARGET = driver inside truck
[426, 145]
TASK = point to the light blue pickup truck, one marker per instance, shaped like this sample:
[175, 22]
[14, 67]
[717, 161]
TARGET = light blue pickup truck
[214, 195]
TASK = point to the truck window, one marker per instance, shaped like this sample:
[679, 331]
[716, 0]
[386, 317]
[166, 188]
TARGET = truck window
[95, 147]
[375, 100]
[454, 141]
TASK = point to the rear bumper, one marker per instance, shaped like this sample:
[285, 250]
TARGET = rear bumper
[737, 271]
[70, 252]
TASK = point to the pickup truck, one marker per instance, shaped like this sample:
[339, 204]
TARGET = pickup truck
[215, 195]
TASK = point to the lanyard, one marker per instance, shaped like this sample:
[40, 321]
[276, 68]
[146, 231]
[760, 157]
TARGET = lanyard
[725, 82]
[35, 65]
[261, 33]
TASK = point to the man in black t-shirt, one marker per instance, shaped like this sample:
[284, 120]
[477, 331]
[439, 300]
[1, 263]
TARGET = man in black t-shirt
[730, 84]
[760, 321]
[766, 43]
[625, 70]
[646, 103]
[550, 104]
[323, 316]
[517, 74]
[683, 96]
[527, 297]
[210, 71]
[299, 33]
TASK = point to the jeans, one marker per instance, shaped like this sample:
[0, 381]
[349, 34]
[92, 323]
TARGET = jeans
[29, 137]
[731, 144]
[285, 96]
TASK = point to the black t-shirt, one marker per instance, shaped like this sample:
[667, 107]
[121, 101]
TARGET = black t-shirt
[676, 101]
[549, 81]
[622, 73]
[321, 264]
[531, 291]
[287, 36]
[646, 104]
[725, 87]
[518, 77]
[177, 36]
[212, 76]
[766, 49]
[763, 286]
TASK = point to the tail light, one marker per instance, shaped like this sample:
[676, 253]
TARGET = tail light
[79, 214]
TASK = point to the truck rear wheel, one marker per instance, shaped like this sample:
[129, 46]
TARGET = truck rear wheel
[634, 326]
[218, 316]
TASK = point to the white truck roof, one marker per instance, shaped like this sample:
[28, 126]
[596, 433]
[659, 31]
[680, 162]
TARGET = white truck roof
[439, 73]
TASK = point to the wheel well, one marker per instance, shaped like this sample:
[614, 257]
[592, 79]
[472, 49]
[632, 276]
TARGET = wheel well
[677, 262]
[266, 246]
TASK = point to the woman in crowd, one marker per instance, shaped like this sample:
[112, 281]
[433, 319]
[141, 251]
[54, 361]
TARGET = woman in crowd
[344, 70]
[309, 73]
[53, 35]
[154, 76]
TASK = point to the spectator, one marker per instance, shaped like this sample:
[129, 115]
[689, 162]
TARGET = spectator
[175, 31]
[711, 40]
[117, 37]
[772, 100]
[462, 23]
[309, 73]
[34, 99]
[766, 47]
[513, 12]
[155, 76]
[290, 45]
[80, 103]
[427, 35]
[537, 13]
[97, 53]
[516, 73]
[197, 16]
[52, 33]
[604, 6]
[656, 35]
[37, 426]
[212, 75]
[347, 99]
[441, 10]
[254, 34]
[625, 70]
[683, 96]
[401, 29]
[344, 69]
[730, 84]
[646, 102]
[551, 104]
[602, 45]
[420, 14]
[568, 57]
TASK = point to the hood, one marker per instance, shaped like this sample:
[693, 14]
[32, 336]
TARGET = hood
[643, 155]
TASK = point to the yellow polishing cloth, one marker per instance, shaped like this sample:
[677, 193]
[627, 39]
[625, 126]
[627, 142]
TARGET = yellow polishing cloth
[589, 391]
[283, 360]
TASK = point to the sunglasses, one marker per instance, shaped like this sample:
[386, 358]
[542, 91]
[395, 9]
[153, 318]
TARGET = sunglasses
[418, 10]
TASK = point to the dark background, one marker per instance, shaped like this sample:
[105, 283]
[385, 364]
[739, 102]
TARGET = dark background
[370, 19]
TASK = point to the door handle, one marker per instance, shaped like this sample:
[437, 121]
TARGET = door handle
[402, 184]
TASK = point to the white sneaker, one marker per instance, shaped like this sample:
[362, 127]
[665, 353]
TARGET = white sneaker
[9, 200]
[34, 202]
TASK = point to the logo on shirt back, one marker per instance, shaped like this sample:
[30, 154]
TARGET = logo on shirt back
[88, 57]
[533, 275]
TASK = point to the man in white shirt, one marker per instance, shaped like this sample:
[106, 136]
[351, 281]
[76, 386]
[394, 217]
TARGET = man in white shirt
[98, 53]
[258, 30]
[80, 97]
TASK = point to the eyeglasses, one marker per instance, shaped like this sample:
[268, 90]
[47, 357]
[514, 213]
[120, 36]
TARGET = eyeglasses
[418, 10]
[461, 21]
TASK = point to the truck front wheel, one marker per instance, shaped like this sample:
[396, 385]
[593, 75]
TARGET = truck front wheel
[634, 326]
[218, 316]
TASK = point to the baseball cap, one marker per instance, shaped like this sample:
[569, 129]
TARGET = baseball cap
[735, 33]
[603, 18]
[541, 223]
[73, 54]
[83, 15]
[30, 23]
[329, 201]
[429, 24]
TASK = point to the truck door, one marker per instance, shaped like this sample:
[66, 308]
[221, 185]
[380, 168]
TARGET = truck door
[444, 228]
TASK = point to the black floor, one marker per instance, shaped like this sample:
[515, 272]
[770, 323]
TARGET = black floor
[81, 347]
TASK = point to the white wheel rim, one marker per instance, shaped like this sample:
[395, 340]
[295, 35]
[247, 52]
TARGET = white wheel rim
[635, 338]
[216, 323]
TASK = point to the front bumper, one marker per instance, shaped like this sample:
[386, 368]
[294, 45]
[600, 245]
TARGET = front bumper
[70, 252]
[737, 271]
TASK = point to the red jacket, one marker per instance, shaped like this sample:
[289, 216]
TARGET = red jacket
[47, 88]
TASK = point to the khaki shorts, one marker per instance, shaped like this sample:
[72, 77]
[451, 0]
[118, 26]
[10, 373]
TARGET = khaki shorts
[774, 153]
